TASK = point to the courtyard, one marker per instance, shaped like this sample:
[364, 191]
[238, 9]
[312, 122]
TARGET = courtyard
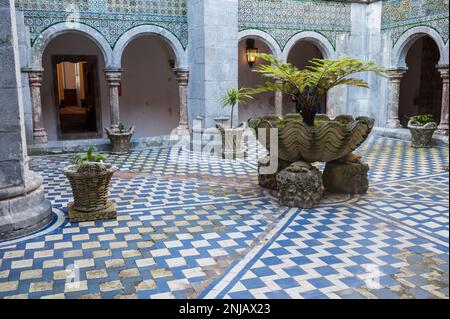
[194, 226]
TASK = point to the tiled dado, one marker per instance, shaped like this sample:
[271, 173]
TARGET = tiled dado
[400, 15]
[112, 18]
[283, 19]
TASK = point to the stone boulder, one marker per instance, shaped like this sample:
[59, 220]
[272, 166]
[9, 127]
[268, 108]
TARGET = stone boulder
[300, 185]
[269, 181]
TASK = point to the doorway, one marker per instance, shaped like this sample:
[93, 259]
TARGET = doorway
[77, 98]
[421, 86]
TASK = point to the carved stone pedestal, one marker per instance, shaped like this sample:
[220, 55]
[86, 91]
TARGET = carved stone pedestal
[109, 212]
[300, 185]
[346, 178]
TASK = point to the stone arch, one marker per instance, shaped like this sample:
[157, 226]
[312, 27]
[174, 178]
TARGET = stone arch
[264, 37]
[56, 30]
[167, 36]
[408, 38]
[319, 40]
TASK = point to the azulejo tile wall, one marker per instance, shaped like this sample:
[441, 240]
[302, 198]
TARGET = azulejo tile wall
[400, 15]
[111, 17]
[284, 18]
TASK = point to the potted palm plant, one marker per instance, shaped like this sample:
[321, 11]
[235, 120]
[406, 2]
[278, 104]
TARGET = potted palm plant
[89, 178]
[120, 139]
[422, 128]
[305, 136]
[232, 137]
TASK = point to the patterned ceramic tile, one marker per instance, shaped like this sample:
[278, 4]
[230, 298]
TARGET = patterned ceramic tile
[401, 15]
[111, 18]
[193, 226]
[283, 19]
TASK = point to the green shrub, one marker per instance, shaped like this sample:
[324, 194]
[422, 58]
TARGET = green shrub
[422, 119]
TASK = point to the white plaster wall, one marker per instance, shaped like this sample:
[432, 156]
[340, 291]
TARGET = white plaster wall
[70, 44]
[150, 99]
[262, 104]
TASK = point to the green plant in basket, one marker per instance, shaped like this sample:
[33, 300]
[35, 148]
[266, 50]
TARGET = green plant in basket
[89, 156]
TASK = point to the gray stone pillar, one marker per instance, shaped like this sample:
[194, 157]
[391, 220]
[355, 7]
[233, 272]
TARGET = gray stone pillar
[395, 75]
[213, 62]
[23, 207]
[279, 101]
[113, 78]
[35, 76]
[182, 77]
[443, 125]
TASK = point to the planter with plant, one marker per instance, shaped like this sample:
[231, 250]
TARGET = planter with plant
[422, 128]
[305, 136]
[89, 178]
[120, 139]
[232, 137]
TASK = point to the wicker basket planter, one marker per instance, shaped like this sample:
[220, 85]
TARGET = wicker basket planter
[120, 141]
[90, 185]
[422, 135]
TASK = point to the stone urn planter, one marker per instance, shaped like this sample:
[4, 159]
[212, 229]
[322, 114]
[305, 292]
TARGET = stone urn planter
[232, 141]
[90, 186]
[120, 140]
[421, 133]
[326, 141]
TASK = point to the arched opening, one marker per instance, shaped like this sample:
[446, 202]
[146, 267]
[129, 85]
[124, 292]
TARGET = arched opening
[421, 85]
[74, 91]
[149, 98]
[300, 55]
[261, 104]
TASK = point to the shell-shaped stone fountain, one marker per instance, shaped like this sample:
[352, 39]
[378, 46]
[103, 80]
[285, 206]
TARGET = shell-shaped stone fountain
[327, 141]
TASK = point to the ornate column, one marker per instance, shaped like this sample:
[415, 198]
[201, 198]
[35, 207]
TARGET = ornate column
[182, 77]
[395, 75]
[443, 125]
[23, 208]
[113, 78]
[278, 100]
[35, 76]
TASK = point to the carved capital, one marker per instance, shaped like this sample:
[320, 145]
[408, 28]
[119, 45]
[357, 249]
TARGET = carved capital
[396, 74]
[182, 76]
[443, 70]
[113, 76]
[35, 75]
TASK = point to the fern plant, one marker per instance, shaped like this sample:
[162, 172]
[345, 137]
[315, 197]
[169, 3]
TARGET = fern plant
[234, 97]
[308, 85]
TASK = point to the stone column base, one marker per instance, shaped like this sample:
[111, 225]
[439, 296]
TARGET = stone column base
[441, 130]
[109, 212]
[25, 210]
[393, 124]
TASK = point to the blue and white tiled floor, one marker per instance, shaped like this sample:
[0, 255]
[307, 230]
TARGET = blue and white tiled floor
[200, 227]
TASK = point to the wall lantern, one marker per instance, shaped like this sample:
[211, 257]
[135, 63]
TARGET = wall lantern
[251, 52]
